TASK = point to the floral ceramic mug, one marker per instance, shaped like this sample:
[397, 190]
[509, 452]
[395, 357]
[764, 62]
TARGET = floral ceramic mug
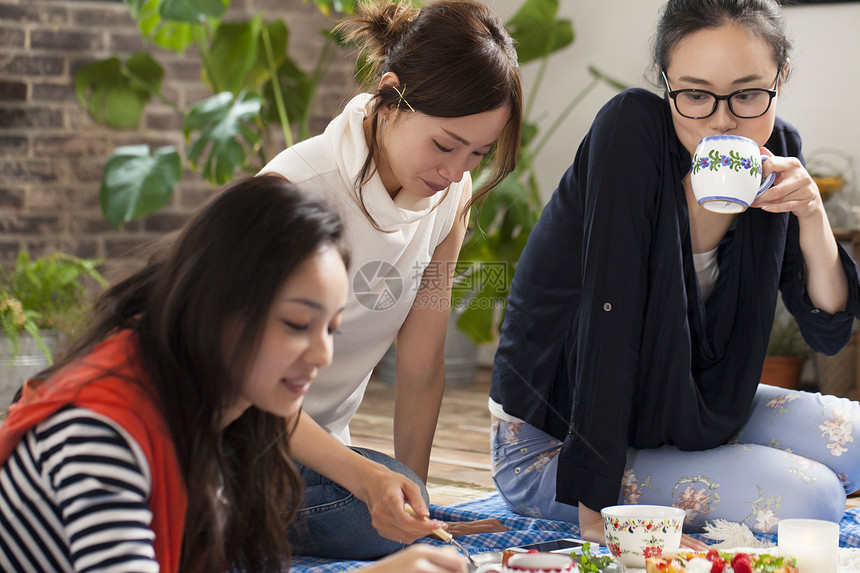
[726, 173]
[636, 532]
[532, 563]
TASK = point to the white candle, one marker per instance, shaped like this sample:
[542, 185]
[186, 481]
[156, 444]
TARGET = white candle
[813, 542]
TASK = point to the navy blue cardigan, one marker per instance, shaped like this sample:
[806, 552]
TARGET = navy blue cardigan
[606, 341]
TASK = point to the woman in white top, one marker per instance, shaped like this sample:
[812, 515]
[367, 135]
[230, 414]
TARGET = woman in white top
[395, 165]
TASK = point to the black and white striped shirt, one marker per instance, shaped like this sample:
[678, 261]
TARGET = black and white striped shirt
[74, 497]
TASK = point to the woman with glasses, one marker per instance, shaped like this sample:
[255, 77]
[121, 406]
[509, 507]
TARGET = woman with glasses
[629, 364]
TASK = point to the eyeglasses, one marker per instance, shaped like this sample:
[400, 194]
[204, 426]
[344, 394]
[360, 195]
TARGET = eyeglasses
[745, 104]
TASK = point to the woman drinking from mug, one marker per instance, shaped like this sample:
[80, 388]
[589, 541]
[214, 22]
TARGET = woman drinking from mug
[395, 163]
[630, 357]
[160, 442]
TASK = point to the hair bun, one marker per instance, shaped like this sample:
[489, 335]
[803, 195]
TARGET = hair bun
[379, 26]
[391, 21]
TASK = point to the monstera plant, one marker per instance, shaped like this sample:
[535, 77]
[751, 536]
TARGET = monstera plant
[255, 85]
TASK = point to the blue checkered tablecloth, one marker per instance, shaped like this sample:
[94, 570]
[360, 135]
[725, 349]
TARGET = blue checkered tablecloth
[849, 528]
[522, 530]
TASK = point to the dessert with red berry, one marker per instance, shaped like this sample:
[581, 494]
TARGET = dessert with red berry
[713, 561]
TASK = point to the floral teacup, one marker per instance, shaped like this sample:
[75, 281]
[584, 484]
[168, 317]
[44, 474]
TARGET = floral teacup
[726, 173]
[635, 532]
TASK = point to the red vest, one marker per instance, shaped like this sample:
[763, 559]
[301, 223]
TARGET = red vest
[106, 382]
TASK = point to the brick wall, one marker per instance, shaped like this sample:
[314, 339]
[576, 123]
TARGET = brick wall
[52, 153]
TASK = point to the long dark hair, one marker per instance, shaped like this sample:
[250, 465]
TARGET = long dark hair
[199, 309]
[680, 18]
[454, 58]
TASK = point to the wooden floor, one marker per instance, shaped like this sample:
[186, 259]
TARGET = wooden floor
[460, 459]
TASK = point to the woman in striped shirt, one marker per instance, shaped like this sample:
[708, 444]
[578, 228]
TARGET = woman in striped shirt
[160, 441]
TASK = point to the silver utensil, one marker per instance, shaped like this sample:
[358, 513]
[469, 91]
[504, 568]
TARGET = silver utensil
[443, 535]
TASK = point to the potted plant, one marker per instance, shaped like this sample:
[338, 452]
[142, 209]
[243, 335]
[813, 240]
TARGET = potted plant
[41, 300]
[786, 352]
[832, 170]
[500, 226]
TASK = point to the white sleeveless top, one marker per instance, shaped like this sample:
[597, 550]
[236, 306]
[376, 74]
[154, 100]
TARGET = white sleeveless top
[385, 268]
[707, 271]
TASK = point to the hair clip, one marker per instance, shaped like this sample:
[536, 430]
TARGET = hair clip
[403, 99]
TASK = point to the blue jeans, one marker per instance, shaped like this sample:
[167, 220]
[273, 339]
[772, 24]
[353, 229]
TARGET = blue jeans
[334, 524]
[796, 456]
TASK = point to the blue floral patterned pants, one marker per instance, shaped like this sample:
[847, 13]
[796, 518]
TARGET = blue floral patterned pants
[796, 456]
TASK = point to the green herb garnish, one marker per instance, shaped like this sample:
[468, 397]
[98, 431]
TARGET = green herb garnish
[769, 563]
[589, 563]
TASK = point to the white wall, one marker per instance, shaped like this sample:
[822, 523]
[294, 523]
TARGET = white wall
[822, 99]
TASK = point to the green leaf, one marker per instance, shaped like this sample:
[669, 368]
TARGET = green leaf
[508, 208]
[613, 83]
[135, 7]
[33, 331]
[114, 93]
[192, 11]
[143, 71]
[237, 54]
[477, 324]
[297, 90]
[481, 284]
[176, 36]
[478, 319]
[136, 184]
[232, 53]
[224, 129]
[537, 32]
[328, 7]
[589, 563]
[529, 133]
[365, 71]
[260, 71]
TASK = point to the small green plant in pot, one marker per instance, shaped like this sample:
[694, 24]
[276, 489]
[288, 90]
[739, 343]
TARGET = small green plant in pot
[45, 294]
[786, 352]
[785, 339]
